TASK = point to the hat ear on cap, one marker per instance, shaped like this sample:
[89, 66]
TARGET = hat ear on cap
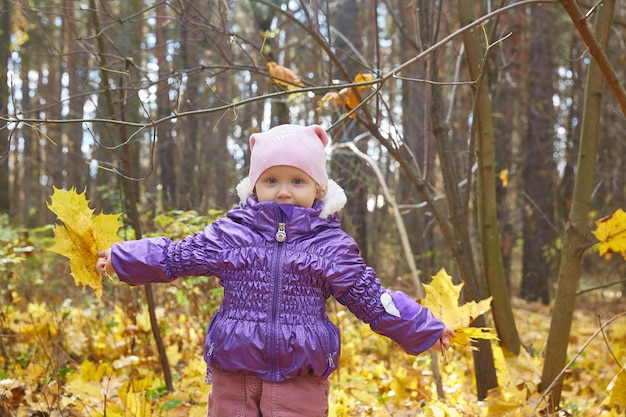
[317, 129]
[321, 133]
[252, 141]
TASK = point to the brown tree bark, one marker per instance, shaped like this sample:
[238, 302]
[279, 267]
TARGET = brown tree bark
[538, 169]
[54, 157]
[263, 16]
[416, 124]
[77, 168]
[167, 150]
[130, 191]
[599, 53]
[5, 53]
[191, 130]
[507, 102]
[486, 195]
[576, 231]
[348, 171]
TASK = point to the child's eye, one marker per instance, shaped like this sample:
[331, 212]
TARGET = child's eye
[271, 181]
[298, 181]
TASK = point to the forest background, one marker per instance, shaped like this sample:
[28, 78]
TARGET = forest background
[483, 137]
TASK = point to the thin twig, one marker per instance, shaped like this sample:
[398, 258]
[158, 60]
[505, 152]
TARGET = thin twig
[599, 287]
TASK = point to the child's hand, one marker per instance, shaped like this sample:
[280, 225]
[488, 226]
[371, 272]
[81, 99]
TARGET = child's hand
[103, 264]
[443, 343]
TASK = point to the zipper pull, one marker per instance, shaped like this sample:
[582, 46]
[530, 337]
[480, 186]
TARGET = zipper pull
[281, 235]
[208, 378]
[330, 360]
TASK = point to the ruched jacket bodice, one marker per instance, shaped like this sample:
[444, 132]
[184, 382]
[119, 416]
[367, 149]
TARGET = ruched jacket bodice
[278, 266]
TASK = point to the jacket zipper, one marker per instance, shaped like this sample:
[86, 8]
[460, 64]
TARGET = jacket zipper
[281, 235]
[331, 348]
[208, 380]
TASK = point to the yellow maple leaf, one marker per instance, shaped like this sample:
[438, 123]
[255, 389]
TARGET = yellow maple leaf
[284, 76]
[442, 298]
[466, 335]
[617, 390]
[81, 235]
[611, 233]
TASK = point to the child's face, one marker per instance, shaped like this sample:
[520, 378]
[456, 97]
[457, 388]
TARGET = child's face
[284, 184]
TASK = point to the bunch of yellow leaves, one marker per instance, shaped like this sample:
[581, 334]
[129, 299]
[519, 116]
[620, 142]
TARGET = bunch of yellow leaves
[611, 232]
[81, 235]
[348, 97]
[442, 298]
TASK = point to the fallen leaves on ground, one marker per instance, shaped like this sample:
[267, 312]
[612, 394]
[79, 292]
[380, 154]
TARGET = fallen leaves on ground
[91, 362]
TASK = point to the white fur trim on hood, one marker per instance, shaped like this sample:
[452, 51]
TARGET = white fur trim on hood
[334, 200]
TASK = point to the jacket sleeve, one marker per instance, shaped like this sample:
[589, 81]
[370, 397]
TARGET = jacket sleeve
[390, 313]
[152, 260]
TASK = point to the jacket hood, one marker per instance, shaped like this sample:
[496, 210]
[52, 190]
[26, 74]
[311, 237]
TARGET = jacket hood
[334, 200]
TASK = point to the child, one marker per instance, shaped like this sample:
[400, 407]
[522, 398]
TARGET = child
[279, 255]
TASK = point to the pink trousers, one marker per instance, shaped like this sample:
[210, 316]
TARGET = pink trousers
[238, 394]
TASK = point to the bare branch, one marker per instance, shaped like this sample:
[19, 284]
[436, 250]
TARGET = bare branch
[596, 51]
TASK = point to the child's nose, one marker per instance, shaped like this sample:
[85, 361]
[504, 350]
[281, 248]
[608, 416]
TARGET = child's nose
[283, 191]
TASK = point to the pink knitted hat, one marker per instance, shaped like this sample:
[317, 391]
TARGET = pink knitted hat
[293, 145]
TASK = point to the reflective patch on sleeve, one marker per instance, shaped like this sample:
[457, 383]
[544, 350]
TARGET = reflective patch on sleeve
[389, 306]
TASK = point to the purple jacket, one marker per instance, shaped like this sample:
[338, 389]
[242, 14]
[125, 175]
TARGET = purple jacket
[273, 321]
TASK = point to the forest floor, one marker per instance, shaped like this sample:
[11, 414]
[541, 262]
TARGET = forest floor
[65, 361]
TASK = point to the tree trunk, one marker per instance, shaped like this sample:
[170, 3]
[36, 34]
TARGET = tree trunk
[55, 159]
[538, 169]
[130, 191]
[190, 132]
[350, 170]
[167, 149]
[576, 232]
[264, 15]
[486, 195]
[613, 80]
[5, 54]
[77, 169]
[507, 101]
[416, 125]
[462, 248]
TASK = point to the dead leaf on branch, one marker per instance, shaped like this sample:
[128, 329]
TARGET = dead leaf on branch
[284, 76]
[347, 98]
[442, 298]
[81, 235]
